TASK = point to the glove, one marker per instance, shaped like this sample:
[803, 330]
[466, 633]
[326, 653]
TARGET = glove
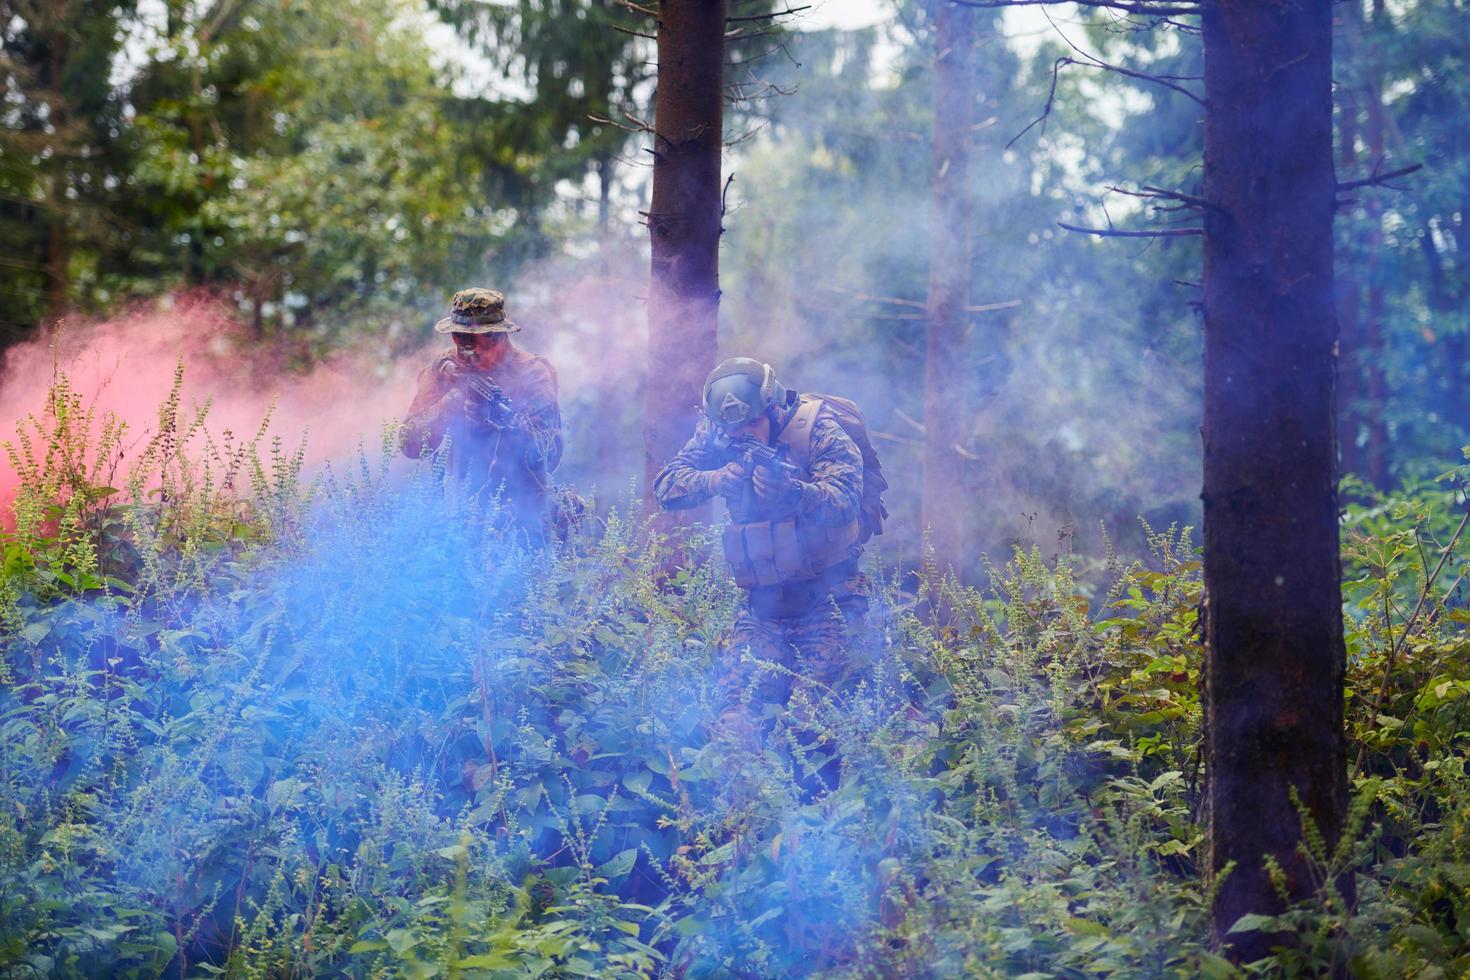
[726, 480]
[775, 487]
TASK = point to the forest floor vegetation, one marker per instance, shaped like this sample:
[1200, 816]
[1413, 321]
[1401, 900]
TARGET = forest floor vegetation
[253, 725]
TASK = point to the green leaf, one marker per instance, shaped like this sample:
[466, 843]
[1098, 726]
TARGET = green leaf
[486, 961]
[1255, 923]
[1086, 927]
[589, 803]
[1216, 967]
[1173, 776]
[619, 865]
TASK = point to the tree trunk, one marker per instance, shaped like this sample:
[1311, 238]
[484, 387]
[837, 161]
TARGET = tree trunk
[58, 260]
[683, 225]
[604, 193]
[1350, 360]
[1375, 456]
[1457, 345]
[1274, 645]
[951, 215]
[58, 241]
[599, 90]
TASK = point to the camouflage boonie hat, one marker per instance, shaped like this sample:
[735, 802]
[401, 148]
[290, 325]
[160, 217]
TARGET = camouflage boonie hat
[477, 310]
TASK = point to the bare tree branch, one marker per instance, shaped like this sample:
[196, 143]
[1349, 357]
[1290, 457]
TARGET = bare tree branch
[1160, 194]
[1009, 304]
[1051, 98]
[770, 16]
[724, 194]
[890, 437]
[1377, 179]
[638, 125]
[1140, 7]
[1093, 61]
[916, 304]
[1114, 233]
[1051, 95]
[909, 420]
[735, 91]
[625, 30]
[778, 46]
[749, 134]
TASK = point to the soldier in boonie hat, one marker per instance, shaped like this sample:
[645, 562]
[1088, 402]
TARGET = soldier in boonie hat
[496, 403]
[477, 310]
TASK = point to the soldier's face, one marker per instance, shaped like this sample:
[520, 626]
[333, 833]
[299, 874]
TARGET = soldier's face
[478, 349]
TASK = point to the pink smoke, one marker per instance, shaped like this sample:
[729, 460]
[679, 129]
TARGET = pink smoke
[125, 365]
[587, 316]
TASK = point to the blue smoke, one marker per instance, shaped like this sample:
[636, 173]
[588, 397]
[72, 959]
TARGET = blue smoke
[395, 671]
[398, 738]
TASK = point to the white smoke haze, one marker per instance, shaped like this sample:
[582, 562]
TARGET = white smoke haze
[1076, 416]
[1084, 401]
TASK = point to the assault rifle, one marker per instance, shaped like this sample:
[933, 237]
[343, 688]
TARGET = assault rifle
[750, 452]
[495, 408]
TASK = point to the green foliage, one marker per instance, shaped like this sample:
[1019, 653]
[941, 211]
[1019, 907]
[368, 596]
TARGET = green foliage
[298, 157]
[306, 155]
[58, 125]
[345, 729]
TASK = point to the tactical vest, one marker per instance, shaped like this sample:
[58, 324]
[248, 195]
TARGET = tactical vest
[794, 548]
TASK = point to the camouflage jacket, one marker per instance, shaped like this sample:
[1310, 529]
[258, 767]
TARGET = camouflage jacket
[520, 457]
[831, 490]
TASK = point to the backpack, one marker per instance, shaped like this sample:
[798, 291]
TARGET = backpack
[798, 435]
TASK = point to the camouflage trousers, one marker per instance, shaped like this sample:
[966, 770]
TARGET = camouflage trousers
[795, 633]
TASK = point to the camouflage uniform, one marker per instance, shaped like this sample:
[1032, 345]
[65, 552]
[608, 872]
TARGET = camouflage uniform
[802, 623]
[517, 459]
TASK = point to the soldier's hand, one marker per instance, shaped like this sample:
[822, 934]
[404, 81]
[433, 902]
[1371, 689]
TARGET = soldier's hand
[475, 413]
[449, 370]
[726, 480]
[773, 486]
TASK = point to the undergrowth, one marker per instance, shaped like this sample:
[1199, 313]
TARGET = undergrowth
[256, 726]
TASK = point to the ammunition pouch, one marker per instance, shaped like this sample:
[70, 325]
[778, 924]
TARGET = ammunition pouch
[774, 552]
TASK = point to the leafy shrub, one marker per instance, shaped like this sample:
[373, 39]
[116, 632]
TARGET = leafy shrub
[350, 728]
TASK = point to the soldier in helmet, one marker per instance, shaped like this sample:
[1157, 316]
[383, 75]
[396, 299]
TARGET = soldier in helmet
[793, 479]
[497, 405]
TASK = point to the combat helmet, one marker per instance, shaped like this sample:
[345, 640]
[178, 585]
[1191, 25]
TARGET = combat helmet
[740, 389]
[477, 310]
